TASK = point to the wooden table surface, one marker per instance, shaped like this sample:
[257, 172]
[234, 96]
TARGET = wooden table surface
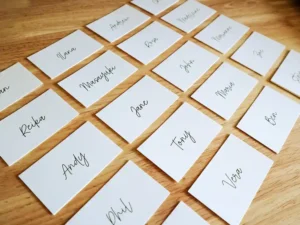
[27, 26]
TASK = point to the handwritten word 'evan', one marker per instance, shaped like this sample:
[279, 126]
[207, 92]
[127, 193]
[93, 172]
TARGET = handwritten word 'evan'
[181, 140]
[80, 160]
[231, 181]
[64, 55]
[138, 108]
[114, 216]
[272, 118]
[26, 128]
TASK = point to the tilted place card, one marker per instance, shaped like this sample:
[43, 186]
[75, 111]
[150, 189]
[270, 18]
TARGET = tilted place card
[231, 180]
[16, 82]
[135, 110]
[189, 15]
[70, 166]
[122, 200]
[180, 141]
[183, 214]
[150, 42]
[225, 90]
[288, 74]
[118, 23]
[154, 6]
[185, 66]
[64, 54]
[222, 34]
[259, 53]
[93, 81]
[270, 119]
[31, 125]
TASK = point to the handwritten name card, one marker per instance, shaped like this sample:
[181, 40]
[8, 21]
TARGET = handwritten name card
[225, 90]
[61, 174]
[222, 34]
[130, 197]
[270, 119]
[31, 125]
[99, 77]
[15, 83]
[64, 54]
[231, 180]
[118, 23]
[135, 110]
[150, 42]
[288, 74]
[258, 53]
[183, 214]
[189, 15]
[154, 6]
[186, 65]
[180, 141]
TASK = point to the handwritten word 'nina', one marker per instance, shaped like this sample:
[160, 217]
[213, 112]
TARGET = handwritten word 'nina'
[181, 140]
[231, 181]
[187, 65]
[64, 55]
[78, 160]
[272, 118]
[114, 216]
[224, 92]
[3, 90]
[149, 44]
[26, 128]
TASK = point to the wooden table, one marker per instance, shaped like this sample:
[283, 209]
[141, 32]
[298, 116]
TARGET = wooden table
[27, 26]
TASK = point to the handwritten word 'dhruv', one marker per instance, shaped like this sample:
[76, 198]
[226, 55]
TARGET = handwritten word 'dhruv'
[235, 177]
[219, 37]
[103, 75]
[181, 140]
[27, 128]
[4, 89]
[150, 43]
[187, 65]
[296, 77]
[64, 55]
[272, 118]
[188, 16]
[118, 23]
[80, 160]
[139, 108]
[114, 216]
[224, 92]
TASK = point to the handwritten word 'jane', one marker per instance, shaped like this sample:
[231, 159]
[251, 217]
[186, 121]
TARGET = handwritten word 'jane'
[113, 216]
[231, 181]
[138, 108]
[3, 90]
[272, 119]
[64, 55]
[188, 16]
[187, 65]
[26, 128]
[104, 74]
[296, 77]
[118, 23]
[149, 44]
[224, 92]
[219, 37]
[179, 142]
[78, 160]
[259, 53]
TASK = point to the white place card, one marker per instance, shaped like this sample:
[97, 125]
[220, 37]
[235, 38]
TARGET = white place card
[222, 34]
[189, 15]
[180, 141]
[288, 74]
[64, 54]
[271, 119]
[185, 66]
[183, 214]
[122, 200]
[154, 6]
[70, 166]
[118, 23]
[225, 90]
[16, 82]
[99, 77]
[231, 180]
[150, 42]
[258, 53]
[31, 125]
[135, 110]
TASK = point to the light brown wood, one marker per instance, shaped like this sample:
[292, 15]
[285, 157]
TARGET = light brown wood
[27, 26]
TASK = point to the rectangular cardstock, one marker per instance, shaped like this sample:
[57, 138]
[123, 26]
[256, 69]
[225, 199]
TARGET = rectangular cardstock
[150, 42]
[15, 83]
[231, 180]
[118, 23]
[33, 124]
[135, 110]
[154, 6]
[180, 141]
[122, 200]
[93, 81]
[64, 54]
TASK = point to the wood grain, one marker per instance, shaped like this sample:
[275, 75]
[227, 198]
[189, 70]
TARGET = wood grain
[27, 26]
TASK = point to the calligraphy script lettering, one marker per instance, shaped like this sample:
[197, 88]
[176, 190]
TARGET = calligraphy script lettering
[78, 160]
[188, 16]
[179, 143]
[156, 1]
[187, 65]
[149, 44]
[223, 93]
[3, 90]
[272, 119]
[259, 53]
[139, 108]
[219, 37]
[118, 23]
[26, 128]
[231, 181]
[64, 55]
[296, 77]
[113, 216]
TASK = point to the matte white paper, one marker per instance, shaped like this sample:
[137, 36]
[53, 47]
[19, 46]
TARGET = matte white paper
[154, 6]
